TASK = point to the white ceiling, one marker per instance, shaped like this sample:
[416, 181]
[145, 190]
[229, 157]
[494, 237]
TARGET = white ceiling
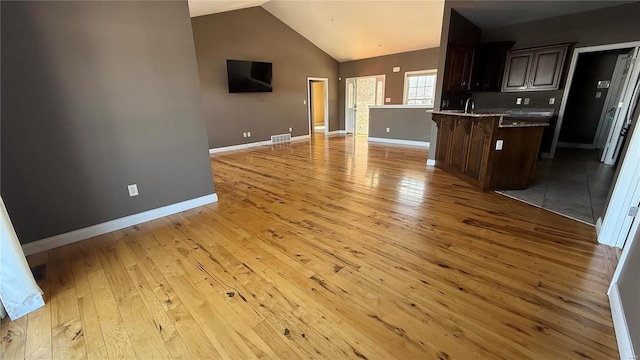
[358, 29]
[350, 30]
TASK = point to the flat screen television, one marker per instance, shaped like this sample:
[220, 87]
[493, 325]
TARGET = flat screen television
[249, 76]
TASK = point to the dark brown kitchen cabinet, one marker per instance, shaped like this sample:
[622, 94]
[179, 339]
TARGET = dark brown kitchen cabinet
[467, 147]
[534, 69]
[458, 67]
[488, 66]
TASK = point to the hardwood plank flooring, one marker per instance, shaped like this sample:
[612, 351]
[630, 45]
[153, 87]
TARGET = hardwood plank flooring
[330, 248]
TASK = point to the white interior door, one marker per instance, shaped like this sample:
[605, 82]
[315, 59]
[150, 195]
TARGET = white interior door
[623, 112]
[618, 78]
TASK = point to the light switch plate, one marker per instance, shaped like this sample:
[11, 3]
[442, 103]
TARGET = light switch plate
[598, 94]
[396, 69]
[499, 144]
[552, 101]
[518, 101]
[526, 101]
[387, 99]
[133, 189]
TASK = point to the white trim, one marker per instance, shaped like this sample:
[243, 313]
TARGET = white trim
[623, 337]
[576, 145]
[252, 145]
[117, 224]
[431, 162]
[429, 72]
[399, 141]
[326, 102]
[626, 193]
[567, 89]
[400, 107]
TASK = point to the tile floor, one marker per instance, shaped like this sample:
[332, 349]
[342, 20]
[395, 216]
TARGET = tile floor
[575, 184]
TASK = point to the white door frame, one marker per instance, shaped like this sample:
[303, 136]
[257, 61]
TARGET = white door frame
[572, 69]
[326, 103]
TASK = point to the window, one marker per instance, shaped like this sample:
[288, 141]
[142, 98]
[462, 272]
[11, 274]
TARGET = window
[419, 87]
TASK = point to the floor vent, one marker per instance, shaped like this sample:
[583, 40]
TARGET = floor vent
[276, 139]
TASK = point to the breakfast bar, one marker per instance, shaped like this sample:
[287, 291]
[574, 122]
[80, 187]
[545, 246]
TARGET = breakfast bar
[492, 149]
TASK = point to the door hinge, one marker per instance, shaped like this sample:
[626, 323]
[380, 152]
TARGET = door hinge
[633, 211]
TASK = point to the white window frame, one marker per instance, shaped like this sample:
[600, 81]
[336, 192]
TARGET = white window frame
[407, 74]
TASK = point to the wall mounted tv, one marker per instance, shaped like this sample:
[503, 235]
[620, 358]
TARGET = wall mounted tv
[249, 76]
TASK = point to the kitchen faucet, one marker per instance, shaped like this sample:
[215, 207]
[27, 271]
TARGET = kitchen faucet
[466, 105]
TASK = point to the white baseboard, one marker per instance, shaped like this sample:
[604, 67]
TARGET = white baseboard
[121, 223]
[399, 141]
[431, 162]
[625, 346]
[335, 132]
[253, 145]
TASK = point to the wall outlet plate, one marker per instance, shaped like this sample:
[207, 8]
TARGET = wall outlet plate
[387, 99]
[518, 101]
[289, 129]
[387, 129]
[598, 94]
[248, 133]
[552, 101]
[396, 69]
[244, 134]
[499, 144]
[133, 190]
[526, 101]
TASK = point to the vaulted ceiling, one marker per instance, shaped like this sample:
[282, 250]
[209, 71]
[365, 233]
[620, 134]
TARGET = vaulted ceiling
[358, 29]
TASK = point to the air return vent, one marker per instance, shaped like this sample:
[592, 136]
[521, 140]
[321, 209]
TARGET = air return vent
[276, 139]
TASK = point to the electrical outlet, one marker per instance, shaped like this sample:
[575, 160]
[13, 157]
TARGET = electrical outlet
[304, 102]
[248, 133]
[396, 69]
[526, 101]
[499, 144]
[244, 134]
[518, 101]
[289, 129]
[387, 99]
[598, 94]
[133, 189]
[387, 129]
[552, 101]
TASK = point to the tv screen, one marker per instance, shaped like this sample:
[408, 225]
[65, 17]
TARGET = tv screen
[249, 76]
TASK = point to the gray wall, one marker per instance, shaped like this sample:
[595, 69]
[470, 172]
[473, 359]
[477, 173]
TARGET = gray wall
[255, 34]
[598, 27]
[96, 96]
[403, 123]
[629, 287]
[426, 59]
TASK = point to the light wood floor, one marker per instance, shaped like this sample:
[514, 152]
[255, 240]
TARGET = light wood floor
[331, 249]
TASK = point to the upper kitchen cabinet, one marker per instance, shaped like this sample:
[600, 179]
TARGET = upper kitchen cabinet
[534, 69]
[458, 67]
[488, 66]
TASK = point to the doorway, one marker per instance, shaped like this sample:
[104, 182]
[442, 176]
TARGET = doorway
[594, 96]
[318, 105]
[362, 92]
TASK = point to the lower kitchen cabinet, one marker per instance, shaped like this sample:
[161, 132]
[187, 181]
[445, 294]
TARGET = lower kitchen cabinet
[476, 149]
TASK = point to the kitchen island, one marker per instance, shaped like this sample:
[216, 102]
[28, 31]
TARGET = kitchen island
[493, 149]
